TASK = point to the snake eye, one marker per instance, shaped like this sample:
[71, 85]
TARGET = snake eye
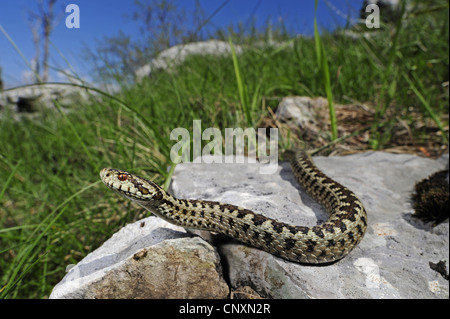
[122, 177]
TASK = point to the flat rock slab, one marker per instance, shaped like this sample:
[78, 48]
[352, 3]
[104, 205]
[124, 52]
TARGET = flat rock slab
[393, 259]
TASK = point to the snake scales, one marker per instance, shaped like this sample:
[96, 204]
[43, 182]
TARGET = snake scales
[323, 243]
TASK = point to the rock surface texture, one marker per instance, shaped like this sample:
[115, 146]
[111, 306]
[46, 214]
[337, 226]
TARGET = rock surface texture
[392, 261]
[147, 259]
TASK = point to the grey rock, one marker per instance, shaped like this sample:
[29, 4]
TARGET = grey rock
[33, 100]
[147, 259]
[160, 260]
[392, 261]
[308, 118]
[177, 54]
[302, 110]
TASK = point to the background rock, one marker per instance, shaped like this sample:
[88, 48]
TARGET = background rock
[309, 118]
[34, 100]
[177, 54]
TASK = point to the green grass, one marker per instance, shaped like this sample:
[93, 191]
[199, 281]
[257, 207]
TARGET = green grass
[322, 63]
[54, 210]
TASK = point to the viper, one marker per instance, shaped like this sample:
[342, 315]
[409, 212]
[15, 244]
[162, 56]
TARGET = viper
[324, 243]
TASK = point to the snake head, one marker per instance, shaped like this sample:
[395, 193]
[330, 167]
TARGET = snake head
[131, 186]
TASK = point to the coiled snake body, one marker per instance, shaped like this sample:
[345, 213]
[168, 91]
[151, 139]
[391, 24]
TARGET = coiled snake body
[323, 243]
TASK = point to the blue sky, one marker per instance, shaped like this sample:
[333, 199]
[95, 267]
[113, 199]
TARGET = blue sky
[101, 18]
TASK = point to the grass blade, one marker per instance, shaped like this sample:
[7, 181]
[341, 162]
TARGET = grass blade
[25, 60]
[427, 107]
[9, 179]
[241, 87]
[323, 65]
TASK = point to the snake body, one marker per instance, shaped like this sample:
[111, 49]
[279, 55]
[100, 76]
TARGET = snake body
[324, 243]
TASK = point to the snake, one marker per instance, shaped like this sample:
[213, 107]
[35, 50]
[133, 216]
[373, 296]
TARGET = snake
[320, 244]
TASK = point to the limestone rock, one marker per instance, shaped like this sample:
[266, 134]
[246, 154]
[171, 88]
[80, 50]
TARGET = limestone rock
[310, 117]
[177, 54]
[34, 100]
[393, 259]
[397, 258]
[147, 259]
[301, 110]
